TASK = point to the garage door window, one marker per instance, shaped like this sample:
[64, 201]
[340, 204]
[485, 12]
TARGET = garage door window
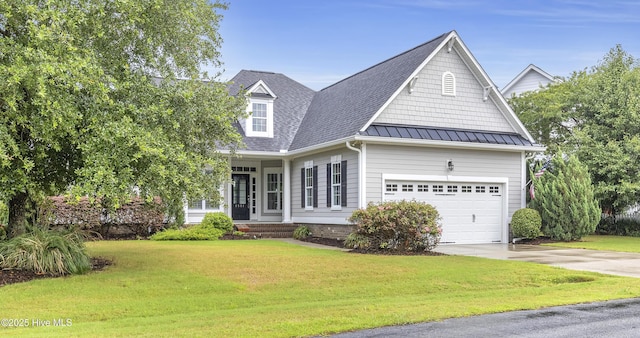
[438, 188]
[466, 188]
[480, 189]
[407, 187]
[494, 190]
[423, 188]
[452, 188]
[392, 187]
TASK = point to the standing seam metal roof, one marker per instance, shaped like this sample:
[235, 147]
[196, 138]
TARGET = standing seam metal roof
[442, 134]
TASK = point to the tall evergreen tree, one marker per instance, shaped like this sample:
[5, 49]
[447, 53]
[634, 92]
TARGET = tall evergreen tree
[566, 201]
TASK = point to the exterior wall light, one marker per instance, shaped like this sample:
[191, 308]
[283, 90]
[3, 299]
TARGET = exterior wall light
[450, 165]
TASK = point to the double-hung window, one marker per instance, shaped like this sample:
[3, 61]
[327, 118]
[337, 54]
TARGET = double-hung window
[336, 183]
[309, 180]
[259, 117]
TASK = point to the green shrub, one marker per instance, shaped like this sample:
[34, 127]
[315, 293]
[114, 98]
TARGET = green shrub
[526, 223]
[301, 232]
[357, 241]
[46, 252]
[3, 232]
[620, 226]
[200, 232]
[217, 220]
[401, 226]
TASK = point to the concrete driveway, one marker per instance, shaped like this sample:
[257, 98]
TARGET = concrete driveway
[608, 262]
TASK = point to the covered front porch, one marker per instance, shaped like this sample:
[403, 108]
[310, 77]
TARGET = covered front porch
[258, 191]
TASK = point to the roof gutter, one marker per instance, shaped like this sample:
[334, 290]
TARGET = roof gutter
[320, 147]
[250, 153]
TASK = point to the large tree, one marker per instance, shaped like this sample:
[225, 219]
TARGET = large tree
[83, 109]
[608, 140]
[596, 115]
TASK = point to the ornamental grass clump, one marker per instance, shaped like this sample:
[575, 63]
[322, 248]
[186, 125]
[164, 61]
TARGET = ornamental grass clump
[46, 252]
[395, 226]
[301, 232]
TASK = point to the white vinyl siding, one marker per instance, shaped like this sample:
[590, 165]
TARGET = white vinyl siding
[426, 106]
[406, 160]
[530, 81]
[324, 214]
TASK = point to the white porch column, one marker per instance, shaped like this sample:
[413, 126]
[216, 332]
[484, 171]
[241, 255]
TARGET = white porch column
[286, 195]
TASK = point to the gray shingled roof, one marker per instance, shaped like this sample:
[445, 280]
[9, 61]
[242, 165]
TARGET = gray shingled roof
[343, 108]
[289, 107]
[441, 134]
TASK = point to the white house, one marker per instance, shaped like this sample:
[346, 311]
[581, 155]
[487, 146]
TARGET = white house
[531, 78]
[427, 124]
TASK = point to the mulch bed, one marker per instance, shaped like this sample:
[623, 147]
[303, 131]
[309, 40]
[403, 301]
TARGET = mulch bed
[19, 276]
[536, 241]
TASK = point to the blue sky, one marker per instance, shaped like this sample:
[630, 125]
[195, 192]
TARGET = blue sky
[320, 42]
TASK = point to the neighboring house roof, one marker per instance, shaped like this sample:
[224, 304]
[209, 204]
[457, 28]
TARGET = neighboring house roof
[306, 119]
[343, 108]
[292, 101]
[531, 78]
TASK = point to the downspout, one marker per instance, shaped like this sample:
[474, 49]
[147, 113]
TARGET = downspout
[523, 197]
[525, 169]
[360, 173]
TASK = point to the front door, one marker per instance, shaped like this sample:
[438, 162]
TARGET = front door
[240, 197]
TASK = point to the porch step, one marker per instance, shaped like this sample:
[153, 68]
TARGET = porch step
[267, 230]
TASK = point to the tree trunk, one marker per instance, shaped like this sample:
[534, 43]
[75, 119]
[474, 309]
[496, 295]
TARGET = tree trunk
[17, 215]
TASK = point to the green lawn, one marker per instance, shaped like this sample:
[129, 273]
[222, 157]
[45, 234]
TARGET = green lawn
[610, 243]
[270, 288]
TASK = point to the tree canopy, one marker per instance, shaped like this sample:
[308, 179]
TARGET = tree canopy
[98, 97]
[596, 115]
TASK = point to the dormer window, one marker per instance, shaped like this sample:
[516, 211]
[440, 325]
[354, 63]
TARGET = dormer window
[260, 109]
[259, 116]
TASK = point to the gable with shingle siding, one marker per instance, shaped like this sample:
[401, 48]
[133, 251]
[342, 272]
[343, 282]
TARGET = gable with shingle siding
[427, 106]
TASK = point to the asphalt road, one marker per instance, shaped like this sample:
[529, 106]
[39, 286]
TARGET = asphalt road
[617, 318]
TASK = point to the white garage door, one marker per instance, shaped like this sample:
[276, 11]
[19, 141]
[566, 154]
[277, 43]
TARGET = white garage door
[471, 212]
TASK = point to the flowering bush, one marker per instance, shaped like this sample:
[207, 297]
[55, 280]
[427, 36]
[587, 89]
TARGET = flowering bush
[401, 226]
